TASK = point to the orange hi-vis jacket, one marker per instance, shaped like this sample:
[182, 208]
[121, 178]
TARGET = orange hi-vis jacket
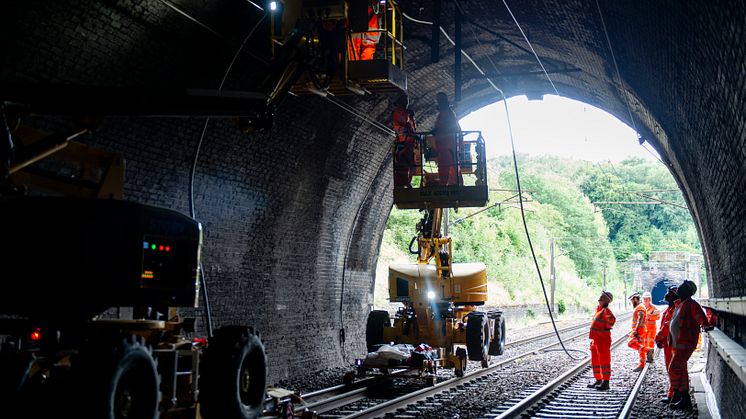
[638, 321]
[602, 323]
[662, 335]
[404, 125]
[686, 321]
[652, 315]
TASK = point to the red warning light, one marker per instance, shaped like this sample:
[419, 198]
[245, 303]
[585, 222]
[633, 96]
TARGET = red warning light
[168, 248]
[36, 334]
[160, 248]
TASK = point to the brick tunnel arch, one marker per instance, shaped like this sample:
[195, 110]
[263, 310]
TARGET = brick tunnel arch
[293, 216]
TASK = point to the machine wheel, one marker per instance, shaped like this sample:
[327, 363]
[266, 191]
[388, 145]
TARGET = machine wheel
[121, 379]
[477, 336]
[460, 354]
[497, 346]
[377, 320]
[234, 375]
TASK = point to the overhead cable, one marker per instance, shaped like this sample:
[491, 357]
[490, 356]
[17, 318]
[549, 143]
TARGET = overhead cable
[195, 159]
[518, 182]
[532, 47]
[346, 107]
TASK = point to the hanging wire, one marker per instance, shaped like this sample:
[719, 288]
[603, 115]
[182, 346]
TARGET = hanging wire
[376, 124]
[515, 166]
[198, 147]
[193, 170]
[209, 29]
[531, 47]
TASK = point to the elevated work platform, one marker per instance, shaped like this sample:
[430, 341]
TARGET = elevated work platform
[426, 190]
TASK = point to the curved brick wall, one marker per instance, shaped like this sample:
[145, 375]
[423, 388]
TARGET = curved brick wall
[290, 213]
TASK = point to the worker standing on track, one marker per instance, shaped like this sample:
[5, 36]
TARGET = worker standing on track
[652, 314]
[661, 339]
[686, 321]
[600, 336]
[637, 336]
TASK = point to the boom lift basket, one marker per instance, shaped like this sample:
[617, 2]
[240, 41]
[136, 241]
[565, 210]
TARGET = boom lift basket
[328, 28]
[471, 190]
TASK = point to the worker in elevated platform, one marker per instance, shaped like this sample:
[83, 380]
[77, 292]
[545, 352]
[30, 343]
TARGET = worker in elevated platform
[363, 45]
[661, 338]
[687, 320]
[600, 335]
[447, 133]
[639, 331]
[652, 314]
[405, 127]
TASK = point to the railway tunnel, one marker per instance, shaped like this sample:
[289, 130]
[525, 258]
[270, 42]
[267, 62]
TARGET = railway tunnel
[293, 215]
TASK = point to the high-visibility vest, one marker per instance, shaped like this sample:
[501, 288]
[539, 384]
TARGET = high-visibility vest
[638, 320]
[602, 323]
[652, 316]
[404, 125]
[446, 129]
[685, 323]
[662, 335]
[372, 37]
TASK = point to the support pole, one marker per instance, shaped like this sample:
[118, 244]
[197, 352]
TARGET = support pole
[552, 276]
[435, 46]
[457, 59]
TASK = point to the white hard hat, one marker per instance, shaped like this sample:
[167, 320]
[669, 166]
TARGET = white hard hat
[646, 294]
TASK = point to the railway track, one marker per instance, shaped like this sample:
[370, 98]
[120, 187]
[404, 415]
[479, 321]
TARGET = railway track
[569, 396]
[381, 395]
[413, 399]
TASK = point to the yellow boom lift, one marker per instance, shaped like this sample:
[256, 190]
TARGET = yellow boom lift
[440, 298]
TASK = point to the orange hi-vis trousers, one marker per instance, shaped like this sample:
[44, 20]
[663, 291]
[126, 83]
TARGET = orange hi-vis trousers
[601, 358]
[677, 369]
[643, 355]
[667, 355]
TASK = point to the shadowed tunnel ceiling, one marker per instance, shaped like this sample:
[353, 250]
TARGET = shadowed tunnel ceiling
[294, 215]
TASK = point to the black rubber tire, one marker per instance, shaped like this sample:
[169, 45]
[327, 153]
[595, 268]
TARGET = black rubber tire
[120, 380]
[377, 320]
[477, 336]
[460, 354]
[497, 345]
[234, 375]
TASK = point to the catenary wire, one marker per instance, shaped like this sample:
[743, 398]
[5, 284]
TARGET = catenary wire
[209, 29]
[531, 46]
[518, 183]
[344, 106]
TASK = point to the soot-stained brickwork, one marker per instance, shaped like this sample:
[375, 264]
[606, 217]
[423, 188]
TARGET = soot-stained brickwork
[293, 216]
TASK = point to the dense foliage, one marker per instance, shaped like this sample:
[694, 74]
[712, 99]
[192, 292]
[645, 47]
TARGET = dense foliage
[563, 203]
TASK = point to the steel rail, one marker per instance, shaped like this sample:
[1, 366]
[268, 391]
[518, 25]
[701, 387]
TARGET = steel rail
[346, 397]
[525, 404]
[408, 399]
[627, 409]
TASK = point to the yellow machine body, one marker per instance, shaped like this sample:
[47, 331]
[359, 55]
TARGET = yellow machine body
[467, 286]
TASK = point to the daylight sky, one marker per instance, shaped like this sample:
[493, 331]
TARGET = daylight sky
[556, 126]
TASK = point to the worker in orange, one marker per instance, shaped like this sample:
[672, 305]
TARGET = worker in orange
[363, 46]
[683, 334]
[661, 338]
[405, 127]
[637, 335]
[600, 335]
[447, 133]
[652, 314]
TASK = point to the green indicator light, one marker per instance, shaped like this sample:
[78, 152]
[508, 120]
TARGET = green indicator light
[152, 246]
